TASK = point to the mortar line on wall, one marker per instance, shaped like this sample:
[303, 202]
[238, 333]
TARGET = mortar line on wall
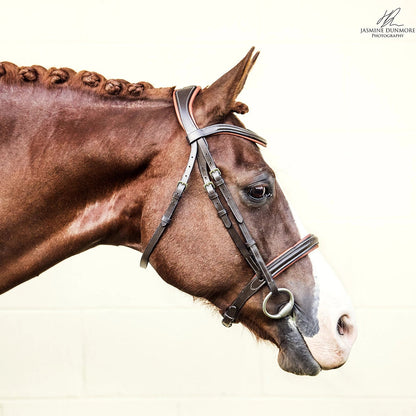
[93, 309]
[198, 398]
[94, 398]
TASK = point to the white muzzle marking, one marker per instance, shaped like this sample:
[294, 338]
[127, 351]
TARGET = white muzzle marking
[331, 346]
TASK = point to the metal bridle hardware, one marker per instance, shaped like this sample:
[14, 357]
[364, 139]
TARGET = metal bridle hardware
[213, 181]
[285, 311]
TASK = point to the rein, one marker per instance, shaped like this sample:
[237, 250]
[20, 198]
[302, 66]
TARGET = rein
[212, 178]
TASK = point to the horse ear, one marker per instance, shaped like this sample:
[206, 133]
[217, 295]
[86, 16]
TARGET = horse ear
[217, 100]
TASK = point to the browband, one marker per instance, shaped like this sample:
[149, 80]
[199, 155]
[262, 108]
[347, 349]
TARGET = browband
[225, 128]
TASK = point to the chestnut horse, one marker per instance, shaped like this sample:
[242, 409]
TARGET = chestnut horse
[89, 161]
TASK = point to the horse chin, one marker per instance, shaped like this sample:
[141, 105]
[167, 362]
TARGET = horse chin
[294, 355]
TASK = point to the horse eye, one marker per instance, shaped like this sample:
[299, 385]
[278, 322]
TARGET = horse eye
[258, 193]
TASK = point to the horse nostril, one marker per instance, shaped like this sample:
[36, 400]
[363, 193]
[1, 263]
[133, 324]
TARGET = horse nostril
[343, 325]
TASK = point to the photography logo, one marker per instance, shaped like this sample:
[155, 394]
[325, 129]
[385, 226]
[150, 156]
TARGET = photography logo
[389, 25]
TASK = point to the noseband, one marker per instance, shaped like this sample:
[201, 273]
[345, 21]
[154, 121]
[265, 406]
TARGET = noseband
[212, 178]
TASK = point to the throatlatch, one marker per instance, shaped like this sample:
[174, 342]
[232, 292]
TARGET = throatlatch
[212, 178]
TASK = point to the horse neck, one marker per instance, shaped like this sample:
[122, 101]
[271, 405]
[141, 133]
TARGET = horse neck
[71, 169]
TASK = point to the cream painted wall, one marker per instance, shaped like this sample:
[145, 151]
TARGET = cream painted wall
[98, 336]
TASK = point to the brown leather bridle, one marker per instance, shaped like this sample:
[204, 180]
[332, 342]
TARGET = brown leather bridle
[212, 178]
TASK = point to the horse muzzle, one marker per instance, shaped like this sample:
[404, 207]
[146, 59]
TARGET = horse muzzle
[329, 346]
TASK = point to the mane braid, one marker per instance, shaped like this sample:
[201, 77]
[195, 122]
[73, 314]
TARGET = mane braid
[87, 81]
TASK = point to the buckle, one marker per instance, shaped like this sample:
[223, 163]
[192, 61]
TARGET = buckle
[229, 318]
[216, 177]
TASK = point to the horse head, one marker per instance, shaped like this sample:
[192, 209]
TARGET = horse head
[198, 256]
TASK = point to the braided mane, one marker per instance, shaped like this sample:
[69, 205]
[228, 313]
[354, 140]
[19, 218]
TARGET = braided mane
[87, 81]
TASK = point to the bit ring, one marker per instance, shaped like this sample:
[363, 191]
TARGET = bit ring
[285, 311]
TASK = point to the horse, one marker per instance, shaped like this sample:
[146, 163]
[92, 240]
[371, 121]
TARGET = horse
[88, 160]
